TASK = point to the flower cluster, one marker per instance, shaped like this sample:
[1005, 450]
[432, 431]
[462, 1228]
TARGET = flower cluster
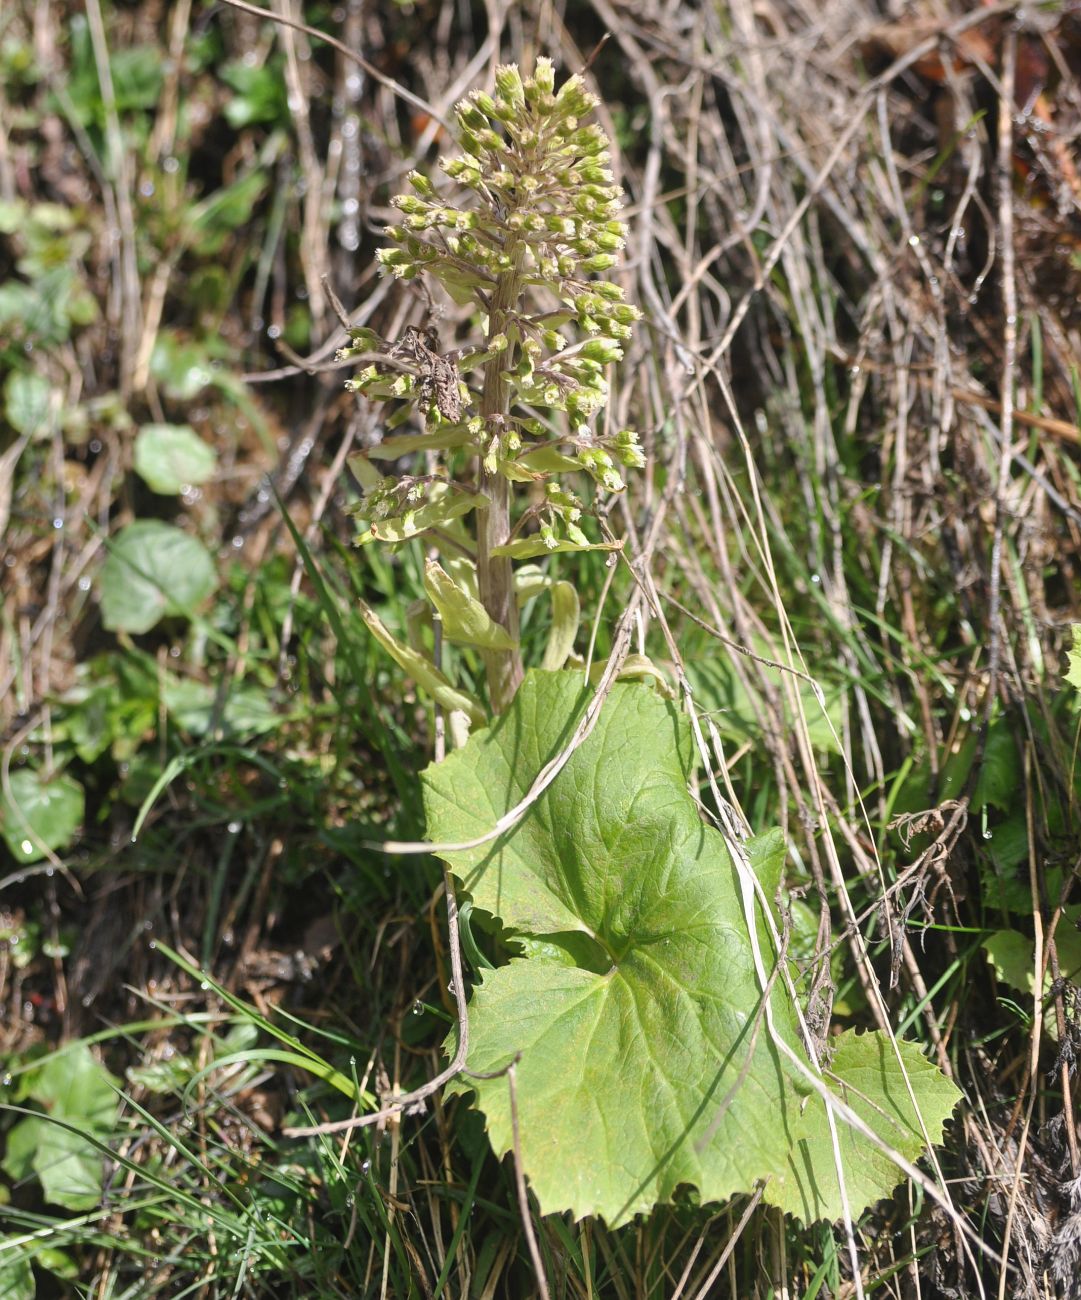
[535, 223]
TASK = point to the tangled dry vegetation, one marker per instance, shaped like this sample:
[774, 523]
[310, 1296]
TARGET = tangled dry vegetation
[856, 239]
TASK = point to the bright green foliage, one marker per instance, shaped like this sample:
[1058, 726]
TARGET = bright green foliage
[154, 571]
[39, 814]
[733, 701]
[52, 298]
[535, 220]
[646, 1063]
[75, 1089]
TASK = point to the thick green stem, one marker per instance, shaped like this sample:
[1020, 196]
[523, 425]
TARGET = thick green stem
[495, 575]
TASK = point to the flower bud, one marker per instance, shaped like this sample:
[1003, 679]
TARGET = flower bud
[560, 225]
[544, 78]
[596, 175]
[421, 184]
[602, 350]
[508, 82]
[574, 98]
[470, 118]
[394, 259]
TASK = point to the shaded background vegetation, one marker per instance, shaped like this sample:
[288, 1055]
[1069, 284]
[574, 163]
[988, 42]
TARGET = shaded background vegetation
[855, 235]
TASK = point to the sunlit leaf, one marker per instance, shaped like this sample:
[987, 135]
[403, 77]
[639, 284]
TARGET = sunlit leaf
[566, 615]
[465, 620]
[435, 513]
[644, 1063]
[40, 814]
[422, 670]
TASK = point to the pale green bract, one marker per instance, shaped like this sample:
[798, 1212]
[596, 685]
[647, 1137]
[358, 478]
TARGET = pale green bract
[645, 1063]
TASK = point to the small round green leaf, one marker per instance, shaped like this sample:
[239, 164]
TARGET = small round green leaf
[26, 403]
[39, 814]
[154, 570]
[171, 457]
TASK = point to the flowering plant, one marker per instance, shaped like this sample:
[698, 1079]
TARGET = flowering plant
[533, 225]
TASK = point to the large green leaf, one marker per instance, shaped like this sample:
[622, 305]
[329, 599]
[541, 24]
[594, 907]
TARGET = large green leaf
[39, 814]
[153, 570]
[644, 1060]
